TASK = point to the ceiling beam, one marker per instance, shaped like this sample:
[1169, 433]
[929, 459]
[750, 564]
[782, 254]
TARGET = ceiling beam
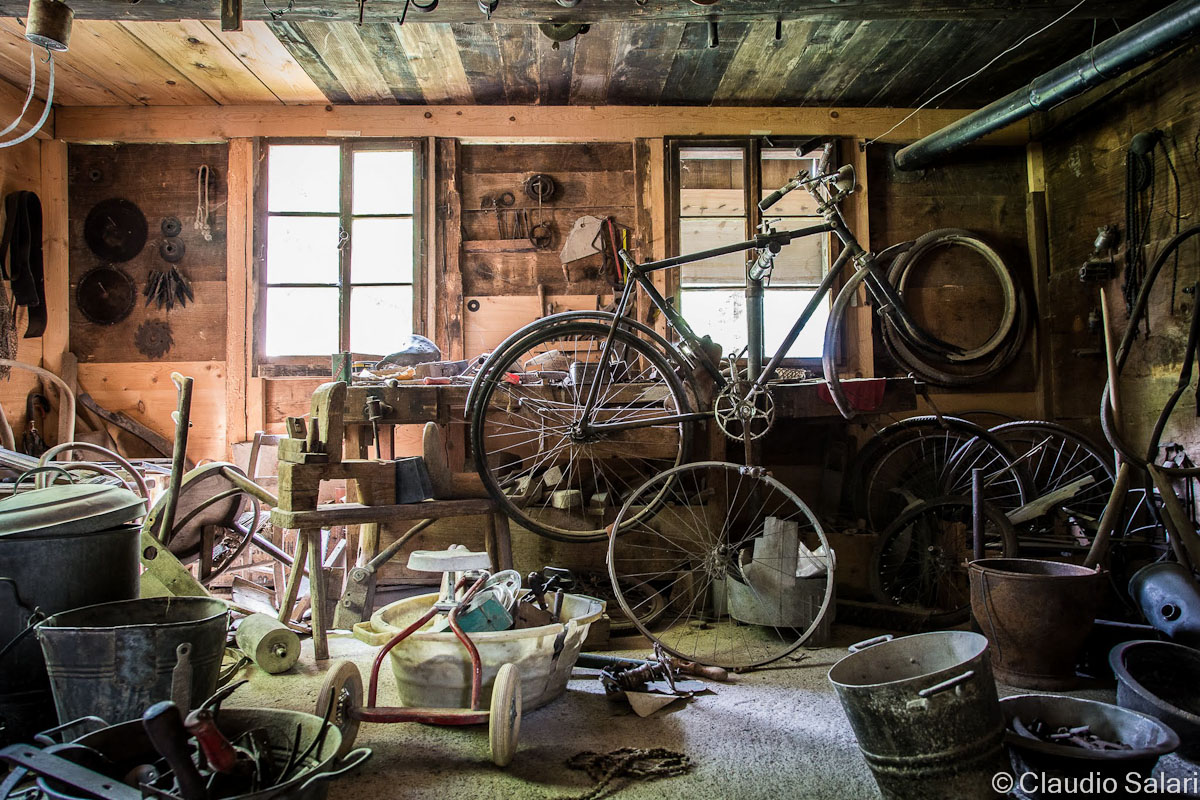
[500, 123]
[596, 11]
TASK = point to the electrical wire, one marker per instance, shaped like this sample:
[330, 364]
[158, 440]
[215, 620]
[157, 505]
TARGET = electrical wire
[977, 72]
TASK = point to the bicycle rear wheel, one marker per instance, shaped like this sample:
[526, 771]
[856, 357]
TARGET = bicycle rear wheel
[547, 472]
[725, 547]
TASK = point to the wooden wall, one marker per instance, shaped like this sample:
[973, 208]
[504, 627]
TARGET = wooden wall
[1085, 144]
[983, 190]
[120, 374]
[20, 169]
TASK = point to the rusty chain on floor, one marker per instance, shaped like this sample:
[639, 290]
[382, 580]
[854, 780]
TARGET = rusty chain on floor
[644, 764]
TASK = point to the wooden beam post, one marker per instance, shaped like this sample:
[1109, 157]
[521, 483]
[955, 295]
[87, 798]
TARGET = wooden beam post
[239, 221]
[55, 341]
[448, 272]
[860, 350]
[1039, 263]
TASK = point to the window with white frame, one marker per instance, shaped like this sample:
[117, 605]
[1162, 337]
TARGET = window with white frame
[339, 235]
[719, 186]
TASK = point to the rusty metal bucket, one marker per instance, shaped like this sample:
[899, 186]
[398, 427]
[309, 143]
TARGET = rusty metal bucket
[1037, 615]
[926, 714]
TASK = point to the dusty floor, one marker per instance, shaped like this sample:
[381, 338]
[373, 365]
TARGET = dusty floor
[773, 734]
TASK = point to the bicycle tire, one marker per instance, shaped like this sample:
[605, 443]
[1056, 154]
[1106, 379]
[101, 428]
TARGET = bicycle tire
[504, 434]
[912, 568]
[976, 364]
[735, 601]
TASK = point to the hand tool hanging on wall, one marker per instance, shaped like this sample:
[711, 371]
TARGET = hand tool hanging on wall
[21, 257]
[542, 188]
[36, 408]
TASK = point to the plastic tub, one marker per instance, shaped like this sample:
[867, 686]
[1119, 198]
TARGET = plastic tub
[433, 670]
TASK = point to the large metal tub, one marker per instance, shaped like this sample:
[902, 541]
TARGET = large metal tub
[1161, 679]
[925, 711]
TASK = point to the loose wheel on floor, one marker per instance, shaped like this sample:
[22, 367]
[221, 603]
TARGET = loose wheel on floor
[343, 689]
[1063, 457]
[921, 559]
[725, 544]
[535, 453]
[504, 721]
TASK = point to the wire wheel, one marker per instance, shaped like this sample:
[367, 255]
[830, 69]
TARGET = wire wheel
[1063, 457]
[921, 560]
[726, 546]
[923, 458]
[539, 461]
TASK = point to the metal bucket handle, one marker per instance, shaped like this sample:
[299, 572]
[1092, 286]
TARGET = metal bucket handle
[35, 616]
[351, 760]
[865, 643]
[38, 471]
[949, 683]
[46, 737]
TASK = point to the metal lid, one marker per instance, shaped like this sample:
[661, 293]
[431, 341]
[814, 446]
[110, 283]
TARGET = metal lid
[68, 509]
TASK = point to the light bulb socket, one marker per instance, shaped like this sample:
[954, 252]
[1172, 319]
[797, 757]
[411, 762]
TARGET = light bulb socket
[49, 24]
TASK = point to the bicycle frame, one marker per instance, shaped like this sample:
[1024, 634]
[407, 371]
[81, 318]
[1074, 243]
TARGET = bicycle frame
[886, 297]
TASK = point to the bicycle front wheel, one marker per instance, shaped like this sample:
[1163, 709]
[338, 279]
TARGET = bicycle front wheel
[533, 449]
[740, 561]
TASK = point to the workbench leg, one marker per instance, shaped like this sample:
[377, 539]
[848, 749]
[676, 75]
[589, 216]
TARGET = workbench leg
[316, 585]
[293, 583]
[499, 541]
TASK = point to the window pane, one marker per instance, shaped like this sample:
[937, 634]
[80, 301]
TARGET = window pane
[302, 322]
[780, 165]
[304, 177]
[781, 308]
[704, 233]
[711, 182]
[302, 250]
[383, 182]
[381, 251]
[721, 313]
[802, 262]
[379, 317]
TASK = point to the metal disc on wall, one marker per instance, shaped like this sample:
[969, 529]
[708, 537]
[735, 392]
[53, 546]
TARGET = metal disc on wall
[115, 229]
[105, 295]
[171, 250]
[154, 338]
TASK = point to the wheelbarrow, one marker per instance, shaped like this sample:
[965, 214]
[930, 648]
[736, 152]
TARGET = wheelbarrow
[342, 692]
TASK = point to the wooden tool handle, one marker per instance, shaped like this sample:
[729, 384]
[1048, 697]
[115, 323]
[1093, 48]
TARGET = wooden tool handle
[165, 728]
[701, 670]
[216, 748]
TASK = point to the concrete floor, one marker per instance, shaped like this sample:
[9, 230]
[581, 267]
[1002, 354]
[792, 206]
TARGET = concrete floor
[772, 734]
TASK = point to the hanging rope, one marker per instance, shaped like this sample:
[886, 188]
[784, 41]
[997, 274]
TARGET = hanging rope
[202, 210]
[627, 762]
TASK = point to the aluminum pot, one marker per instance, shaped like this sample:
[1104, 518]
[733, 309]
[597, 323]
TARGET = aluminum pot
[127, 745]
[1160, 679]
[1037, 615]
[1148, 738]
[926, 714]
[114, 660]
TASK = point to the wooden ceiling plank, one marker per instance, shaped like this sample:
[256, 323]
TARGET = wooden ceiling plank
[499, 124]
[103, 47]
[296, 43]
[480, 55]
[931, 63]
[72, 86]
[591, 68]
[389, 57]
[555, 65]
[761, 63]
[893, 62]
[261, 52]
[697, 69]
[867, 41]
[343, 51]
[432, 53]
[518, 59]
[643, 62]
[534, 11]
[196, 52]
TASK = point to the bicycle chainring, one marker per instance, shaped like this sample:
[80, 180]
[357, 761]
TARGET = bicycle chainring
[744, 411]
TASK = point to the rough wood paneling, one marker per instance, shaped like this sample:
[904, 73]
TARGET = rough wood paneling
[168, 189]
[20, 170]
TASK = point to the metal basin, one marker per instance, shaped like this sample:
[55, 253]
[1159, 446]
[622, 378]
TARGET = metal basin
[1160, 679]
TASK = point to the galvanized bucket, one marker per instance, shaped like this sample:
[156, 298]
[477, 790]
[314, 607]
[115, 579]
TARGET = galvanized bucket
[1160, 679]
[925, 711]
[1037, 615]
[52, 572]
[126, 745]
[114, 660]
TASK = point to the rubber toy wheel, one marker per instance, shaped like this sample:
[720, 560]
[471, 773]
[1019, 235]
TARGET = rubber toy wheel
[504, 722]
[344, 688]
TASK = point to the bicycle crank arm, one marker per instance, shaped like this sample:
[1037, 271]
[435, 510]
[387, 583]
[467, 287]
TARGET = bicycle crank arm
[649, 422]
